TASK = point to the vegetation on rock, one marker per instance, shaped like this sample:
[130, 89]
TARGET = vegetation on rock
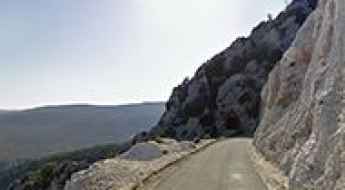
[223, 98]
[53, 172]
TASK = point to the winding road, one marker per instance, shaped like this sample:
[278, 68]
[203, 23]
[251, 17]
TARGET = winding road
[225, 165]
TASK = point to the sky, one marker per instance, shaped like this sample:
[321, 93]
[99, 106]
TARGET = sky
[112, 52]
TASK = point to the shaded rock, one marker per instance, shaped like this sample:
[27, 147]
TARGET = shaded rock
[240, 89]
[223, 97]
[142, 152]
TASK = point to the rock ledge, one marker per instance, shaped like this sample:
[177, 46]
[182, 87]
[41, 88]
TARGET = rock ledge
[127, 174]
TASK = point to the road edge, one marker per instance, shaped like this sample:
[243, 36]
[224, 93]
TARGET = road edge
[272, 177]
[170, 164]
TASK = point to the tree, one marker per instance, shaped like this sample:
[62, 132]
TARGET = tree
[270, 17]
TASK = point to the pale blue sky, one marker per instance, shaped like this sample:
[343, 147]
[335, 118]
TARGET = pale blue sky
[113, 51]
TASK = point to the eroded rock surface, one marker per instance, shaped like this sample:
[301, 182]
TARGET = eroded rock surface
[130, 169]
[303, 123]
[223, 97]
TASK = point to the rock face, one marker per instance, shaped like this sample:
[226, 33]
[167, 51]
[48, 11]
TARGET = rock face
[303, 122]
[223, 97]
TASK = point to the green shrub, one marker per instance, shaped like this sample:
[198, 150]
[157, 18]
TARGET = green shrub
[39, 174]
[165, 152]
[158, 140]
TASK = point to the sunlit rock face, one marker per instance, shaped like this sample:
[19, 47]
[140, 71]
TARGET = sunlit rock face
[303, 121]
[223, 97]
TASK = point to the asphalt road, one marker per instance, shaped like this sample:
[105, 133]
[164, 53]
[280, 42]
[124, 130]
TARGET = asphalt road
[225, 165]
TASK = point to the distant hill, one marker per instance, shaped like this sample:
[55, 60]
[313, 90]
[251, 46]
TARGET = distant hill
[41, 131]
[4, 111]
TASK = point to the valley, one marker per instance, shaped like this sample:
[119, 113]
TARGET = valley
[38, 132]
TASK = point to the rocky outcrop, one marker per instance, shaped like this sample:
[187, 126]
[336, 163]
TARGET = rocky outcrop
[223, 97]
[303, 123]
[132, 168]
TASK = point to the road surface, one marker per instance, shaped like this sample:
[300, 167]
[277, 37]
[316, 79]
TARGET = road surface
[225, 165]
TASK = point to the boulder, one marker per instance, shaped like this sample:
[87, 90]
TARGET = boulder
[142, 152]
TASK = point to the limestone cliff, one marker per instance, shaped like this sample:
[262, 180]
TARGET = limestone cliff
[303, 121]
[223, 97]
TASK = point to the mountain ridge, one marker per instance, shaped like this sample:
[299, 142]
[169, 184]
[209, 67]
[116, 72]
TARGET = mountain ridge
[223, 97]
[85, 126]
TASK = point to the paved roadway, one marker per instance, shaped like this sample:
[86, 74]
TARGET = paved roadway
[225, 165]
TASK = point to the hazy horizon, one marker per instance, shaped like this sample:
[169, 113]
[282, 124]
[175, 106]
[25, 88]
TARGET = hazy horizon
[82, 104]
[113, 52]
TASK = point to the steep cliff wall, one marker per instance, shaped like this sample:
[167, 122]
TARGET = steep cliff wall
[303, 122]
[223, 97]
